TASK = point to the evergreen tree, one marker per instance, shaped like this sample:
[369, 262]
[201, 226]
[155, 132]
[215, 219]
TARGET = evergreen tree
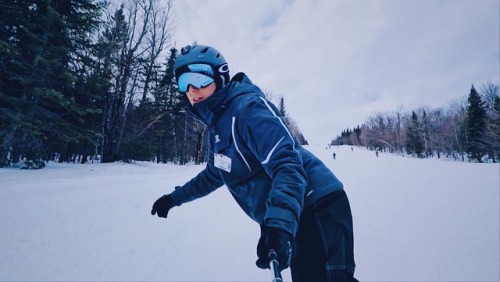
[40, 42]
[85, 18]
[178, 137]
[475, 126]
[426, 134]
[294, 128]
[496, 127]
[282, 109]
[414, 139]
[169, 131]
[492, 139]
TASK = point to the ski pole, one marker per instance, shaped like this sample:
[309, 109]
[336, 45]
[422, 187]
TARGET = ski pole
[275, 266]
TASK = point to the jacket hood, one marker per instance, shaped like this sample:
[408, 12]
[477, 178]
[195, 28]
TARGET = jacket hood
[208, 110]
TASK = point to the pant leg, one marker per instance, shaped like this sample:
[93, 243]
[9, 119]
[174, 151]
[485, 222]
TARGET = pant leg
[325, 242]
[308, 262]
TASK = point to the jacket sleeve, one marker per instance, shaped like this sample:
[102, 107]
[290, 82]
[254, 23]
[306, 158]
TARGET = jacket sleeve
[207, 181]
[272, 143]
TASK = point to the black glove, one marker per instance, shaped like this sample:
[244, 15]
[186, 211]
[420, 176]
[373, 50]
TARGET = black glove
[162, 206]
[278, 240]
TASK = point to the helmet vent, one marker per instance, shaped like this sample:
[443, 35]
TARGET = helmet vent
[204, 50]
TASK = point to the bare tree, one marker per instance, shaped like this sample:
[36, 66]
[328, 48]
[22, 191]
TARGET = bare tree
[144, 33]
[159, 36]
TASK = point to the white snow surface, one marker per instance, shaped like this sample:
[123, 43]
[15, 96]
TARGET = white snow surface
[414, 220]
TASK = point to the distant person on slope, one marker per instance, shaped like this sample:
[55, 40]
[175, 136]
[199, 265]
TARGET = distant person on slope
[303, 211]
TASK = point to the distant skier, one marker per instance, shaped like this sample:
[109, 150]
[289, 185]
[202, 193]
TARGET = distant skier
[334, 155]
[302, 209]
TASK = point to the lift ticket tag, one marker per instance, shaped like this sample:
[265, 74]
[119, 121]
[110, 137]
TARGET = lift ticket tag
[222, 162]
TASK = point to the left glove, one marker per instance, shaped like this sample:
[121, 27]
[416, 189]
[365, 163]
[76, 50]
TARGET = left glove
[278, 240]
[163, 205]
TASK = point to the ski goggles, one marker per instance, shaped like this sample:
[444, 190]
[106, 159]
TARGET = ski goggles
[197, 75]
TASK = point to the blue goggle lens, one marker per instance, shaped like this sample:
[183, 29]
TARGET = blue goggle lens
[198, 80]
[198, 75]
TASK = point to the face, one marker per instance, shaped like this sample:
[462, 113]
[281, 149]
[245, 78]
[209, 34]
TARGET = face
[196, 95]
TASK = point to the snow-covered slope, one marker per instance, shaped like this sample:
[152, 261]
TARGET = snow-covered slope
[414, 220]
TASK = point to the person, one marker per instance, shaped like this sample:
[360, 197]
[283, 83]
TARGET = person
[302, 209]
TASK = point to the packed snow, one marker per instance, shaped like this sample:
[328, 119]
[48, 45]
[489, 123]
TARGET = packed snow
[414, 220]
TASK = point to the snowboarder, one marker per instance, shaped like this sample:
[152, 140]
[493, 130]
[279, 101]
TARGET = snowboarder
[301, 206]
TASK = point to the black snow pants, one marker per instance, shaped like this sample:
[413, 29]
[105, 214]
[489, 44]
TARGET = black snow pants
[324, 247]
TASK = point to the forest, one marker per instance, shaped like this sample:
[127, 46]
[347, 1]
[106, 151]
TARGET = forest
[465, 130]
[86, 81]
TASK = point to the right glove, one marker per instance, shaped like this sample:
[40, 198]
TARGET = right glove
[278, 240]
[163, 205]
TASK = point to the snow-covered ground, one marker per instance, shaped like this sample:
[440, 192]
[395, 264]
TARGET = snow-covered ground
[414, 220]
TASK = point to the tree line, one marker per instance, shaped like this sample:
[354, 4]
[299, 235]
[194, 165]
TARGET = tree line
[467, 129]
[82, 81]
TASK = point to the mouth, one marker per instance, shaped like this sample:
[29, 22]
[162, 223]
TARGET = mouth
[197, 99]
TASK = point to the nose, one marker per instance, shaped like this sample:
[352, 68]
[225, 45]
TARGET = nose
[191, 88]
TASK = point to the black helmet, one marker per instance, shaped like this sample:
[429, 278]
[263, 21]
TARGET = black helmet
[202, 54]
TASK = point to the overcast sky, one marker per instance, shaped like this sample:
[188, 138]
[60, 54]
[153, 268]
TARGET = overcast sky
[338, 62]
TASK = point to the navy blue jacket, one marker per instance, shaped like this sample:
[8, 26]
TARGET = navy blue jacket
[254, 154]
